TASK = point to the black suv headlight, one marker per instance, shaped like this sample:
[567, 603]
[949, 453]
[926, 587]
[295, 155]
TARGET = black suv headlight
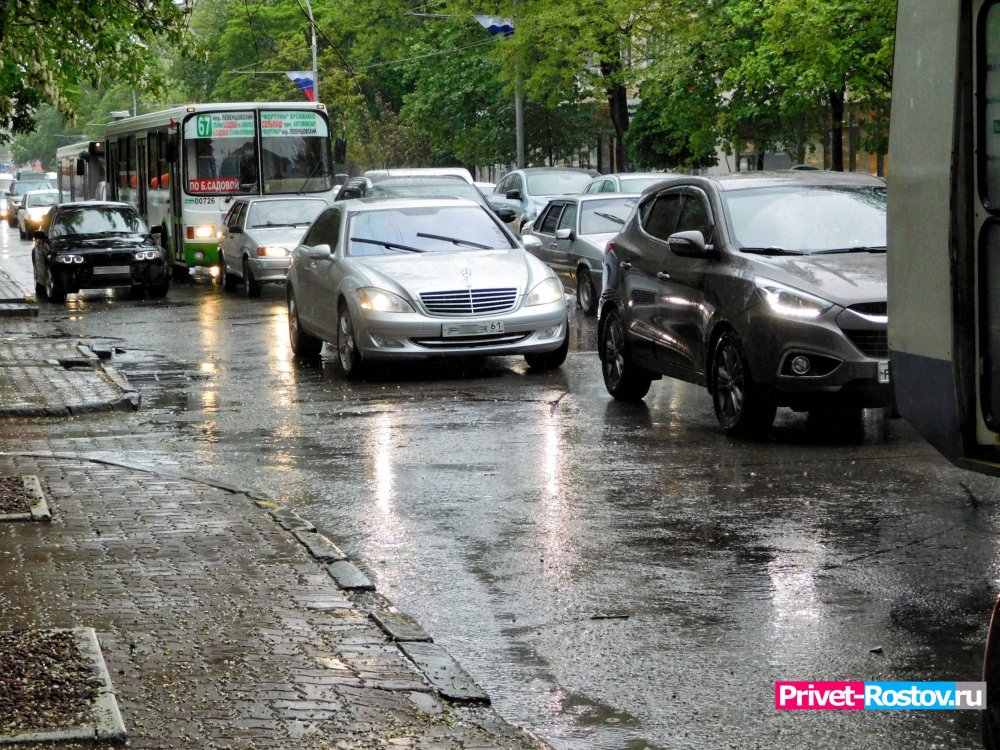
[70, 259]
[148, 255]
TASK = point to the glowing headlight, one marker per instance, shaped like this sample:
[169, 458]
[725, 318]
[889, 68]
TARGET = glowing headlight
[201, 232]
[791, 302]
[272, 251]
[548, 291]
[69, 259]
[379, 300]
[37, 214]
[148, 255]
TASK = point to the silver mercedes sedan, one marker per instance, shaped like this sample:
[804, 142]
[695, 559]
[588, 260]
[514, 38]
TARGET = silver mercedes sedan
[385, 279]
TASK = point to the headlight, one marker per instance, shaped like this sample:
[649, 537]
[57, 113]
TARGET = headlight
[550, 290]
[148, 255]
[791, 302]
[69, 259]
[379, 300]
[201, 232]
[36, 214]
[272, 251]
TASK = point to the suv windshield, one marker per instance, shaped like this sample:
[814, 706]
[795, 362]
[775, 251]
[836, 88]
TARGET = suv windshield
[424, 229]
[557, 182]
[98, 220]
[808, 219]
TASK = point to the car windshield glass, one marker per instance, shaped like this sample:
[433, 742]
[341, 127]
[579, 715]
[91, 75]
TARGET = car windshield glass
[428, 229]
[557, 183]
[603, 217]
[98, 220]
[20, 188]
[808, 218]
[638, 184]
[450, 189]
[295, 152]
[41, 199]
[284, 213]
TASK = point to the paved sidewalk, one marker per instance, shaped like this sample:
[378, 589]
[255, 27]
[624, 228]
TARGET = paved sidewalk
[224, 621]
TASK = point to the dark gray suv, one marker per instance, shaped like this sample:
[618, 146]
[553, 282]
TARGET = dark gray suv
[769, 289]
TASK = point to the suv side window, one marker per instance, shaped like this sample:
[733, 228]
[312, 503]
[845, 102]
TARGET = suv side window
[661, 217]
[696, 216]
[551, 219]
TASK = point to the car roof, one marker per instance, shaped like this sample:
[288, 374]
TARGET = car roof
[594, 197]
[441, 179]
[747, 180]
[536, 170]
[379, 204]
[96, 204]
[378, 175]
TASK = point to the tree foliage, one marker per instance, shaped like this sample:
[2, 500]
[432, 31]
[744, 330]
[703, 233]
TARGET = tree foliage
[51, 48]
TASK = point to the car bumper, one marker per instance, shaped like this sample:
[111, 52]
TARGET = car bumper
[540, 328]
[270, 270]
[149, 273]
[847, 353]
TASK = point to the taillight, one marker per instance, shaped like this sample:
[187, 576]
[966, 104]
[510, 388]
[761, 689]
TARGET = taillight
[609, 247]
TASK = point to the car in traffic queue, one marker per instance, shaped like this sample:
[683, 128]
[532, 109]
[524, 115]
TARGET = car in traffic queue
[257, 239]
[386, 279]
[624, 182]
[96, 245]
[33, 209]
[769, 289]
[16, 192]
[570, 236]
[531, 189]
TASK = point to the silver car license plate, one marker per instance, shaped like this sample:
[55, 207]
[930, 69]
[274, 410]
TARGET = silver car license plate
[883, 371]
[111, 270]
[480, 328]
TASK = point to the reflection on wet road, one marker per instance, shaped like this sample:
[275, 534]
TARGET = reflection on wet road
[616, 576]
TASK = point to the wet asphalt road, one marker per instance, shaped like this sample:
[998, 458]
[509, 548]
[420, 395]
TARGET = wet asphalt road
[615, 576]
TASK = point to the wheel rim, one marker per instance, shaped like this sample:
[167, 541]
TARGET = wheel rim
[345, 341]
[730, 383]
[293, 323]
[50, 286]
[247, 278]
[614, 352]
[585, 291]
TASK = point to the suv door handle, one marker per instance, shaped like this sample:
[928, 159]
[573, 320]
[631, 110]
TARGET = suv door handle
[663, 275]
[624, 265]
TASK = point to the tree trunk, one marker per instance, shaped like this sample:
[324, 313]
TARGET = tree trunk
[618, 108]
[837, 130]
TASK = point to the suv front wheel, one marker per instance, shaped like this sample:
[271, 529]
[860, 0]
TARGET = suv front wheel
[741, 406]
[624, 379]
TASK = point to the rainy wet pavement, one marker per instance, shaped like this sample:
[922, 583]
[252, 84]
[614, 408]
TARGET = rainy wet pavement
[615, 576]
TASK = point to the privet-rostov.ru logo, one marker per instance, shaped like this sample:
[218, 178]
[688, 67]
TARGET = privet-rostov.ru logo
[879, 696]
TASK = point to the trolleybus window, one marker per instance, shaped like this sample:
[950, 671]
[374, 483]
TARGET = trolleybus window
[295, 150]
[220, 153]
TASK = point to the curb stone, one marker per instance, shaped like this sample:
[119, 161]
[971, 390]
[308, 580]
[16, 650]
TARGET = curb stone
[38, 509]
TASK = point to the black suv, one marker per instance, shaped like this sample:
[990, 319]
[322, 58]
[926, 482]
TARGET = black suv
[769, 289]
[93, 245]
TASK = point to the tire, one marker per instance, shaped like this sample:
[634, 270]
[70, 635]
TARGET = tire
[543, 361]
[586, 294]
[351, 360]
[304, 345]
[625, 380]
[741, 406]
[54, 289]
[250, 285]
[158, 291]
[21, 233]
[229, 280]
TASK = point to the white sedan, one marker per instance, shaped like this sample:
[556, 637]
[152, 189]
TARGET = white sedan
[418, 278]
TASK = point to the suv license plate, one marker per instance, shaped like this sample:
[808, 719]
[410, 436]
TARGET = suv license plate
[481, 328]
[883, 371]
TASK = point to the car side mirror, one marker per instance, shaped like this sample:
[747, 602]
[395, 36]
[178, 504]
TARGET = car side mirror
[531, 243]
[319, 252]
[514, 195]
[688, 244]
[565, 234]
[506, 215]
[235, 229]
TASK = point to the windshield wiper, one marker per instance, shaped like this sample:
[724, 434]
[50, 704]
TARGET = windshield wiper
[857, 249]
[770, 251]
[612, 217]
[453, 240]
[387, 245]
[313, 172]
[269, 224]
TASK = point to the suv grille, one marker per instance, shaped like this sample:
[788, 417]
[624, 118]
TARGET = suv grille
[873, 344]
[871, 308]
[469, 301]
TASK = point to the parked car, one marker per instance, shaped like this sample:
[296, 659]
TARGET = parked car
[33, 209]
[257, 239]
[439, 187]
[93, 245]
[16, 193]
[767, 288]
[625, 182]
[393, 279]
[570, 236]
[531, 189]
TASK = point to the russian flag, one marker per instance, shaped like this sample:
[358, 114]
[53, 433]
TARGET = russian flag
[496, 25]
[304, 80]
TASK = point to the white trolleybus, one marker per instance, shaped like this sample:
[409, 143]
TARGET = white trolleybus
[182, 167]
[81, 171]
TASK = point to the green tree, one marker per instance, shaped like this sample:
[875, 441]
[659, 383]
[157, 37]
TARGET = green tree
[52, 47]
